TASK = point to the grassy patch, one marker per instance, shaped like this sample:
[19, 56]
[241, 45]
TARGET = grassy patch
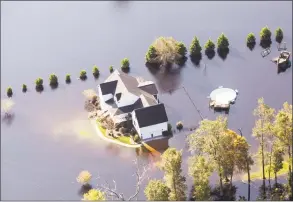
[122, 139]
[258, 175]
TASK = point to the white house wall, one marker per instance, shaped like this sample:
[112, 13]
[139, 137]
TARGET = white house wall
[156, 130]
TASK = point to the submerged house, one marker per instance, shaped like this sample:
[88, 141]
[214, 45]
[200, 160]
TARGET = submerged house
[123, 97]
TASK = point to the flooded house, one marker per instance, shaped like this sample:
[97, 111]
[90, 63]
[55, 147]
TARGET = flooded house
[124, 98]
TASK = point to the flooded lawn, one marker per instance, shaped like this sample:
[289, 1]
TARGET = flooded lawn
[50, 140]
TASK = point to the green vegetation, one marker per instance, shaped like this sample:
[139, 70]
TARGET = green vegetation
[136, 138]
[265, 34]
[83, 75]
[39, 83]
[94, 195]
[123, 139]
[96, 71]
[181, 49]
[67, 78]
[84, 177]
[151, 55]
[125, 65]
[165, 51]
[170, 164]
[156, 190]
[179, 125]
[258, 174]
[222, 42]
[9, 92]
[24, 88]
[279, 35]
[53, 80]
[250, 39]
[209, 46]
[195, 48]
[111, 69]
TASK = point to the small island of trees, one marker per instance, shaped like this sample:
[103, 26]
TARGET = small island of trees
[39, 84]
[166, 51]
[96, 71]
[250, 41]
[125, 65]
[67, 78]
[9, 92]
[210, 49]
[195, 50]
[223, 46]
[279, 35]
[53, 80]
[82, 75]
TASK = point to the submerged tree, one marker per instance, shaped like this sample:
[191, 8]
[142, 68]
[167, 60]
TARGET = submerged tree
[206, 140]
[210, 49]
[24, 88]
[283, 127]
[279, 35]
[262, 128]
[166, 51]
[223, 42]
[53, 80]
[200, 170]
[9, 91]
[156, 190]
[171, 165]
[250, 41]
[84, 177]
[67, 78]
[265, 37]
[125, 65]
[82, 75]
[94, 195]
[96, 71]
[195, 48]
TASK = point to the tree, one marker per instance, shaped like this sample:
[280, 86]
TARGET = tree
[94, 195]
[6, 106]
[96, 71]
[156, 190]
[125, 64]
[24, 88]
[207, 139]
[84, 177]
[179, 125]
[283, 127]
[265, 116]
[279, 35]
[82, 75]
[67, 78]
[170, 163]
[111, 69]
[265, 34]
[223, 42]
[277, 161]
[195, 48]
[39, 83]
[166, 51]
[151, 55]
[200, 170]
[53, 80]
[9, 91]
[250, 39]
[209, 46]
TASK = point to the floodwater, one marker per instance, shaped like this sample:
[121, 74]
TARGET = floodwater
[50, 141]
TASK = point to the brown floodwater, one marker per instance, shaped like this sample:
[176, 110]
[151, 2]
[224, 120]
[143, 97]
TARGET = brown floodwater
[49, 140]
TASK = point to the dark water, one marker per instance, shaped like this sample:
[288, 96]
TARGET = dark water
[50, 141]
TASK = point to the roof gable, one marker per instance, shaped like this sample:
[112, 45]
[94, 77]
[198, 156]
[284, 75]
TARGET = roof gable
[108, 87]
[151, 115]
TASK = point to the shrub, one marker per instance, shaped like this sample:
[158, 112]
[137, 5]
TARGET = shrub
[53, 80]
[39, 82]
[181, 49]
[279, 35]
[151, 55]
[125, 64]
[67, 78]
[9, 92]
[169, 127]
[250, 38]
[136, 138]
[82, 75]
[179, 125]
[94, 195]
[265, 34]
[111, 69]
[209, 46]
[222, 42]
[195, 48]
[24, 88]
[84, 177]
[96, 71]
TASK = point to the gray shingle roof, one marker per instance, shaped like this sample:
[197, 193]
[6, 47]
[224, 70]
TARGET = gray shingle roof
[108, 87]
[151, 89]
[151, 115]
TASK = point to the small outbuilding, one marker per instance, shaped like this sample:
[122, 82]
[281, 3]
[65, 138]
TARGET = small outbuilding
[221, 98]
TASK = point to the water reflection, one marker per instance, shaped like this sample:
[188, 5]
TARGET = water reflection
[8, 119]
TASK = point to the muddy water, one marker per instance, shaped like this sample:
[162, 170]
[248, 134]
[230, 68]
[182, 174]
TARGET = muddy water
[50, 141]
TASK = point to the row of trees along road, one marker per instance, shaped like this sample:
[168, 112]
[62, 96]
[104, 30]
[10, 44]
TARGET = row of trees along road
[215, 148]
